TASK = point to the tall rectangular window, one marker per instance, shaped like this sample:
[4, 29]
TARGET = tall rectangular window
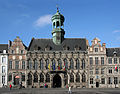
[9, 77]
[110, 80]
[3, 79]
[115, 80]
[91, 61]
[110, 70]
[102, 70]
[29, 64]
[16, 64]
[102, 80]
[97, 70]
[3, 69]
[91, 80]
[23, 77]
[96, 49]
[96, 60]
[109, 60]
[23, 64]
[102, 60]
[3, 59]
[115, 60]
[10, 64]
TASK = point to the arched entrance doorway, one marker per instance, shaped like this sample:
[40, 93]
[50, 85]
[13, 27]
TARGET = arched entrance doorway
[56, 81]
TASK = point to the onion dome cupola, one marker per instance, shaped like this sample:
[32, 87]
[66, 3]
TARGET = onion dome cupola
[58, 28]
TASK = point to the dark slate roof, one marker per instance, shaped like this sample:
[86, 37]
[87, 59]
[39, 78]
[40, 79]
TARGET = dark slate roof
[3, 47]
[68, 42]
[111, 51]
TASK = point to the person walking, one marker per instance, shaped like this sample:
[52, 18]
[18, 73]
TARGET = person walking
[10, 86]
[69, 92]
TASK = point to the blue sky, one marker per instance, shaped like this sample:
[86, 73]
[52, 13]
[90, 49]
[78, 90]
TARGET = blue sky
[83, 19]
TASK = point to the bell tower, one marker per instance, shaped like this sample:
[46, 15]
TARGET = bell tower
[58, 28]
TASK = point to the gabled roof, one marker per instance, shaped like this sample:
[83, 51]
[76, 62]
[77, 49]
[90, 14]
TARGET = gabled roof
[3, 47]
[68, 42]
[111, 51]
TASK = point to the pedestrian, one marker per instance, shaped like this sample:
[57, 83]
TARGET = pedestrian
[69, 92]
[10, 86]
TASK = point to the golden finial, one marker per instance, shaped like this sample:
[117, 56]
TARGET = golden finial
[57, 8]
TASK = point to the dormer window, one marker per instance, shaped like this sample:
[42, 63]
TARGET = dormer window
[47, 48]
[66, 47]
[77, 47]
[96, 49]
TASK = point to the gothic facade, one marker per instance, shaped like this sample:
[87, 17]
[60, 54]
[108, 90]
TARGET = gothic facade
[61, 62]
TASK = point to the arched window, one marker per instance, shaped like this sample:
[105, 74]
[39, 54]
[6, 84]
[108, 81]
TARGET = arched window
[77, 64]
[59, 64]
[71, 78]
[29, 64]
[35, 77]
[57, 23]
[66, 63]
[66, 78]
[53, 64]
[35, 64]
[41, 77]
[83, 64]
[83, 78]
[47, 63]
[41, 64]
[47, 77]
[77, 77]
[29, 79]
[71, 64]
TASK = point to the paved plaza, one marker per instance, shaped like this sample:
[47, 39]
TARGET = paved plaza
[58, 91]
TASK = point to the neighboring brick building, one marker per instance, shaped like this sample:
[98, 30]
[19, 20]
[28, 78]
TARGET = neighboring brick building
[16, 63]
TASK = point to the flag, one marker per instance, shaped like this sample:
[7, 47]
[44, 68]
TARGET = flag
[54, 66]
[49, 66]
[116, 69]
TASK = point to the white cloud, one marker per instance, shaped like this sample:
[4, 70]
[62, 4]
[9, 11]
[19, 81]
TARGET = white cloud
[43, 20]
[116, 31]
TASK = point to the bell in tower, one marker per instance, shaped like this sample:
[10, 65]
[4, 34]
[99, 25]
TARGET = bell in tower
[58, 28]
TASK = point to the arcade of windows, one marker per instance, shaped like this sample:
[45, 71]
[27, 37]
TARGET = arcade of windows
[35, 65]
[46, 78]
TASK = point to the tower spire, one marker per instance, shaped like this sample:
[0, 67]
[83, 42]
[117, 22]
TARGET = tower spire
[57, 8]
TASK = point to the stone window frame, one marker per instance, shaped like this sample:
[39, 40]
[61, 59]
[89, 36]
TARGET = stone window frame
[110, 70]
[91, 60]
[71, 64]
[77, 78]
[96, 70]
[102, 80]
[23, 64]
[41, 77]
[10, 77]
[71, 78]
[35, 77]
[83, 78]
[23, 76]
[10, 64]
[35, 64]
[66, 63]
[109, 80]
[96, 61]
[77, 64]
[109, 60]
[96, 49]
[102, 60]
[91, 80]
[115, 80]
[17, 64]
[83, 63]
[47, 77]
[41, 64]
[60, 63]
[115, 60]
[47, 63]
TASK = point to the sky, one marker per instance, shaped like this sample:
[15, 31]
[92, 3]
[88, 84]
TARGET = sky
[83, 19]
